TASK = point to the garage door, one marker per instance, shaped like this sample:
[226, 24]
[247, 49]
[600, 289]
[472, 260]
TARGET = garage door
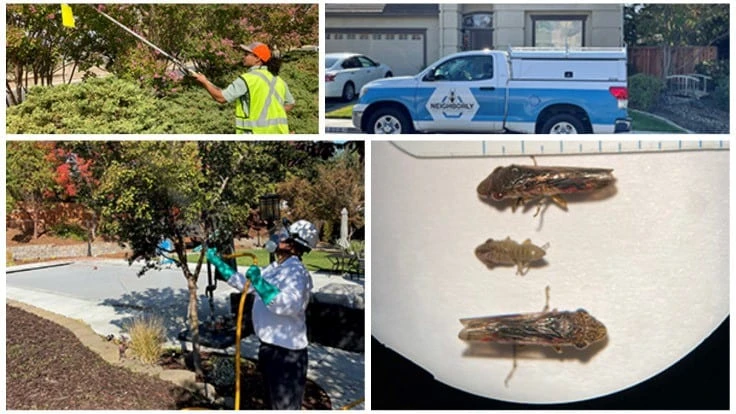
[403, 50]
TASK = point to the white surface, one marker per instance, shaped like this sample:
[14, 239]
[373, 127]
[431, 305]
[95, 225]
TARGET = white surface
[650, 262]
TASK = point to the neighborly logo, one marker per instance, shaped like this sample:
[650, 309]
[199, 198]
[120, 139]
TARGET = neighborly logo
[452, 103]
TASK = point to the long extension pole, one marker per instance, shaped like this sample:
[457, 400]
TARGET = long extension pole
[144, 40]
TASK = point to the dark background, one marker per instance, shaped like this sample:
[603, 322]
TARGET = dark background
[698, 381]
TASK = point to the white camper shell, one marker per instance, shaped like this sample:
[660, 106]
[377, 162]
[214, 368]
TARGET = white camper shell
[583, 64]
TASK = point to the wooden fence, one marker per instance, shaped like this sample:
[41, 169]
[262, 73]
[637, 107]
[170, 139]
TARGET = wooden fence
[650, 59]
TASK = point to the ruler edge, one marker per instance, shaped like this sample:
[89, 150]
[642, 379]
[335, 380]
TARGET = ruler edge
[397, 144]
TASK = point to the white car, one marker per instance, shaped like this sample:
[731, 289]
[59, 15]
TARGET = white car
[346, 73]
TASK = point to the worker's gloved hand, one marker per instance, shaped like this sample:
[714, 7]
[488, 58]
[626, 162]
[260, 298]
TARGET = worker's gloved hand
[265, 290]
[225, 270]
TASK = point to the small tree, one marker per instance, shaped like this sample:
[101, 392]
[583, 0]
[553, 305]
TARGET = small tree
[337, 184]
[29, 179]
[79, 166]
[179, 190]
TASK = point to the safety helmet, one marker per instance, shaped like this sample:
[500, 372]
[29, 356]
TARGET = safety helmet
[304, 233]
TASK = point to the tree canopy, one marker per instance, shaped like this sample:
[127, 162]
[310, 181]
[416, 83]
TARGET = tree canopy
[696, 24]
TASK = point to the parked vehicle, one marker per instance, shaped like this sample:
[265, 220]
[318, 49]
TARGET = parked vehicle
[527, 90]
[346, 73]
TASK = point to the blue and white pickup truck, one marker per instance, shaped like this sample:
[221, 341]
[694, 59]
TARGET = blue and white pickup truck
[525, 90]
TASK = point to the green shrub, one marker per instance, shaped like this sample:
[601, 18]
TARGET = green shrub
[719, 85]
[301, 72]
[98, 106]
[146, 337]
[644, 91]
[716, 69]
[193, 111]
[327, 229]
[721, 93]
[112, 105]
[69, 231]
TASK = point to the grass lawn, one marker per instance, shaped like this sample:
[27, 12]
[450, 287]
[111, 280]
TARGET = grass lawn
[314, 260]
[345, 112]
[644, 122]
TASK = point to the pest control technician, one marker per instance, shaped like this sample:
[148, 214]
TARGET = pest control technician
[279, 313]
[261, 97]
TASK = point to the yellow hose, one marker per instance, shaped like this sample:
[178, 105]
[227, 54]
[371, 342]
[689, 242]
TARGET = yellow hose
[238, 327]
[352, 404]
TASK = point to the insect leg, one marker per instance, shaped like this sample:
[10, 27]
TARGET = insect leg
[513, 368]
[546, 302]
[559, 201]
[519, 202]
[539, 207]
[520, 270]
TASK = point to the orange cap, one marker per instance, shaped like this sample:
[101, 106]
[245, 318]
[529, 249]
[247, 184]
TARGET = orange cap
[259, 49]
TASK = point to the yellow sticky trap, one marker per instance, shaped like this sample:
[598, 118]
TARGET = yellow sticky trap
[67, 18]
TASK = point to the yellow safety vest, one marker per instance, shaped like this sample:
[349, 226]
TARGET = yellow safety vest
[266, 113]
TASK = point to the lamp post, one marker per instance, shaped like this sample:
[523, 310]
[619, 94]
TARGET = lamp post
[269, 207]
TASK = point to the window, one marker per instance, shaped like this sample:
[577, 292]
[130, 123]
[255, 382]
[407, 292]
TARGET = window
[351, 63]
[366, 62]
[558, 31]
[478, 21]
[477, 31]
[376, 36]
[466, 68]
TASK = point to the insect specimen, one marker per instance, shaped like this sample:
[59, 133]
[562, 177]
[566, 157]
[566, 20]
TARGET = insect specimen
[547, 328]
[507, 251]
[527, 182]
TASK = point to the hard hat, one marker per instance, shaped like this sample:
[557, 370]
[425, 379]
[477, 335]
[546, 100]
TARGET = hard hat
[304, 233]
[259, 49]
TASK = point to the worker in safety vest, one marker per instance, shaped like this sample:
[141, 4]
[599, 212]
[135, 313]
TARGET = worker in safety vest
[261, 97]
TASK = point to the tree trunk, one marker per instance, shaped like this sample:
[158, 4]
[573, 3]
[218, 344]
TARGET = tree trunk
[91, 224]
[34, 217]
[666, 61]
[193, 317]
[19, 83]
[11, 96]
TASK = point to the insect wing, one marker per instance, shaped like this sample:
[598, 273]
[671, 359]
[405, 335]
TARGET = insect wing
[564, 180]
[541, 328]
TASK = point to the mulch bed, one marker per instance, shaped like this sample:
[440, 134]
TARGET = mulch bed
[696, 115]
[48, 368]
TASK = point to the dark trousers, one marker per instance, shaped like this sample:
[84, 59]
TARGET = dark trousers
[285, 373]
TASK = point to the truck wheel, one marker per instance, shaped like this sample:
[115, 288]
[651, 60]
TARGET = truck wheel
[389, 121]
[563, 124]
[348, 92]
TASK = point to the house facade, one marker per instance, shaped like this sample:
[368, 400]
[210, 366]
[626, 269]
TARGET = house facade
[408, 37]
